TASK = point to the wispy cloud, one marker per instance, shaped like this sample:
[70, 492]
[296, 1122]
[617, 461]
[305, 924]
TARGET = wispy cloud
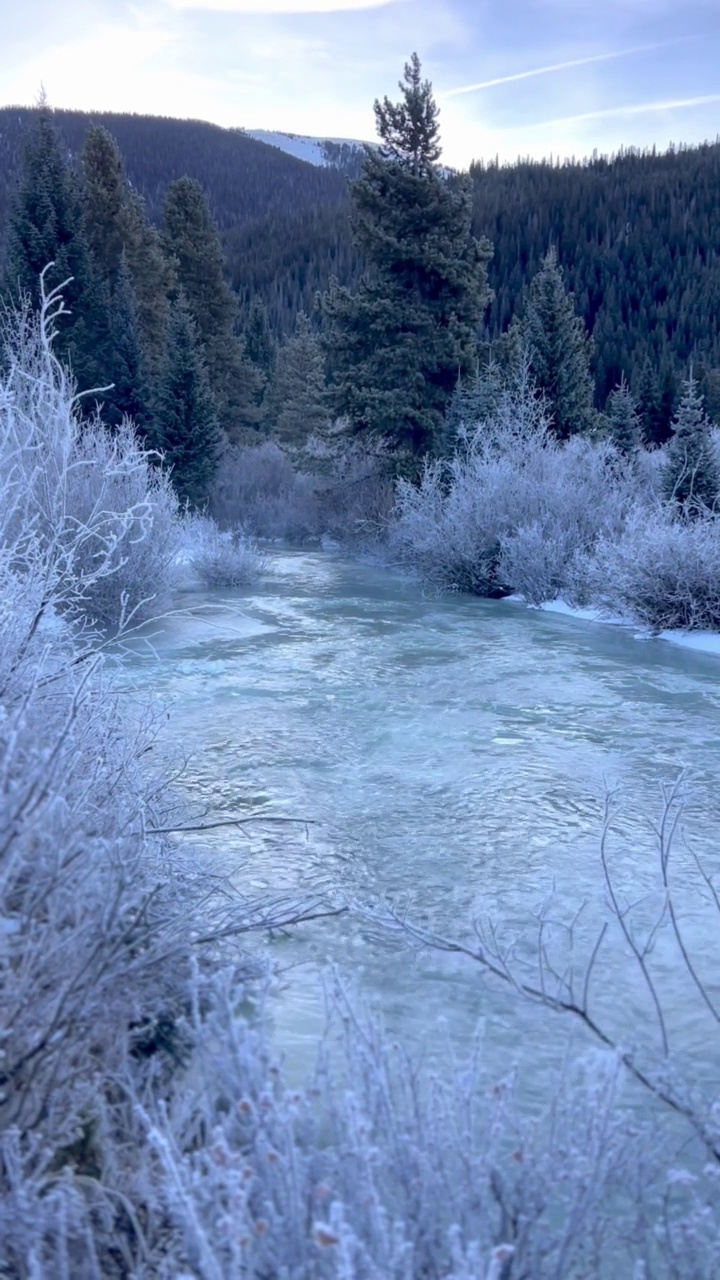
[268, 7]
[563, 66]
[633, 109]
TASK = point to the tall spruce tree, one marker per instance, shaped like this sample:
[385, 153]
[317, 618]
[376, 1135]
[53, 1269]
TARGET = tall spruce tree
[260, 345]
[152, 277]
[129, 394]
[299, 405]
[397, 345]
[559, 348]
[623, 420]
[104, 195]
[47, 226]
[193, 246]
[650, 408]
[184, 423]
[118, 227]
[691, 477]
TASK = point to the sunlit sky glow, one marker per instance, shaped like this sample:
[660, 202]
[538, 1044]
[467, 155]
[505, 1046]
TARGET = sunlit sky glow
[512, 77]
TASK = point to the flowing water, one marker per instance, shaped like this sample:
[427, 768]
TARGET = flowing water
[454, 756]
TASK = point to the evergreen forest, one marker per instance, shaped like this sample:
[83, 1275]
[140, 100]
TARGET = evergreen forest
[634, 235]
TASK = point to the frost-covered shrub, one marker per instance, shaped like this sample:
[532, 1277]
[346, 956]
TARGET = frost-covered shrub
[222, 558]
[512, 508]
[93, 500]
[257, 488]
[355, 489]
[376, 1172]
[662, 571]
[336, 486]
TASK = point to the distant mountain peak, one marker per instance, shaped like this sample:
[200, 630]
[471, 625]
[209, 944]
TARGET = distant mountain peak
[344, 154]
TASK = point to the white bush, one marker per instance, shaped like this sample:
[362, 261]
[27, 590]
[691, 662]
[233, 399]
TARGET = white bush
[511, 510]
[93, 500]
[257, 488]
[344, 489]
[222, 558]
[661, 571]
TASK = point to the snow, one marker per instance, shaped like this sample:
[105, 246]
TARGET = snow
[311, 150]
[699, 641]
[588, 614]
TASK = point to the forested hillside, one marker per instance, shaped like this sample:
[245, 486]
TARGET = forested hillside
[635, 235]
[272, 209]
[637, 239]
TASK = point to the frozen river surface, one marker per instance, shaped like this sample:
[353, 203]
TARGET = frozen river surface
[454, 755]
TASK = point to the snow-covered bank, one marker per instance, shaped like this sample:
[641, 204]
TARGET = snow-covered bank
[700, 641]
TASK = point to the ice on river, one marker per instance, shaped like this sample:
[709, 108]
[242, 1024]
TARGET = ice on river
[455, 755]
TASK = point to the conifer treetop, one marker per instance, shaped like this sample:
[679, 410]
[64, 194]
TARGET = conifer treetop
[691, 477]
[409, 130]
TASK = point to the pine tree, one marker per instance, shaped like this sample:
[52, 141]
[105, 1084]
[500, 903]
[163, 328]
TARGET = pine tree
[649, 399]
[473, 401]
[184, 425]
[104, 195]
[260, 345]
[47, 226]
[691, 477]
[192, 244]
[623, 419]
[299, 398]
[397, 346]
[151, 274]
[129, 394]
[559, 349]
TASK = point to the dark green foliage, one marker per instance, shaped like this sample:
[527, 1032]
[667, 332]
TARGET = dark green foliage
[623, 420]
[691, 477]
[184, 423]
[473, 402]
[559, 351]
[248, 179]
[655, 431]
[409, 130]
[104, 195]
[47, 226]
[636, 237]
[193, 247]
[397, 345]
[152, 277]
[299, 405]
[260, 345]
[129, 394]
[45, 216]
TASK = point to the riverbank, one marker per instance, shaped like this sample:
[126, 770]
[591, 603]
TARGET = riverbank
[699, 641]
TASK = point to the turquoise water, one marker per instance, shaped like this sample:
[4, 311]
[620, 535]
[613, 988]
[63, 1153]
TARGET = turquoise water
[454, 757]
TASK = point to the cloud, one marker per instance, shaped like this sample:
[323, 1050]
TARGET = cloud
[75, 73]
[268, 7]
[634, 109]
[561, 66]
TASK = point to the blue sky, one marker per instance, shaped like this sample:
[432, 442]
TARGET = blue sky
[512, 77]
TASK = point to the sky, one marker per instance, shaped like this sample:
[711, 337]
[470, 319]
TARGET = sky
[512, 77]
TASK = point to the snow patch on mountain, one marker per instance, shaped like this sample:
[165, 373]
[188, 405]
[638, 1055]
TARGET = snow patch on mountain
[335, 153]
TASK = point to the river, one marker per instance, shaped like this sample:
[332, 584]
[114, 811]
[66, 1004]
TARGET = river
[453, 755]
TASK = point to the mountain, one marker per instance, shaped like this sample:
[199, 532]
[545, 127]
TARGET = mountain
[243, 177]
[344, 154]
[284, 222]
